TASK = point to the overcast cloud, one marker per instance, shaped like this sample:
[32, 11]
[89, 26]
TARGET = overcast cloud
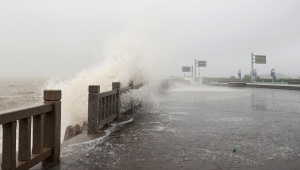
[54, 38]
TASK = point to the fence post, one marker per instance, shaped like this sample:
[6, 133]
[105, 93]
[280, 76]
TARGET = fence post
[131, 98]
[38, 134]
[53, 124]
[142, 96]
[117, 86]
[9, 145]
[93, 109]
[24, 139]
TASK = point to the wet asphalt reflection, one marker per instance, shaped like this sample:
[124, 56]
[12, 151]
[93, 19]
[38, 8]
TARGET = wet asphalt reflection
[198, 128]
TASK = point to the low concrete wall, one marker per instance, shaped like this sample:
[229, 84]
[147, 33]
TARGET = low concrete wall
[179, 82]
[237, 84]
[194, 80]
[294, 83]
[269, 86]
[228, 81]
[218, 84]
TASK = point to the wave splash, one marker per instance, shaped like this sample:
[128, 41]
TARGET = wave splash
[127, 58]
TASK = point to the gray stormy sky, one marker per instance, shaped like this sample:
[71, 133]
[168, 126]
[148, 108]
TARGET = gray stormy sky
[54, 38]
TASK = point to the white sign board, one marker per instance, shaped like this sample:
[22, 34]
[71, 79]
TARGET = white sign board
[260, 59]
[186, 69]
[201, 63]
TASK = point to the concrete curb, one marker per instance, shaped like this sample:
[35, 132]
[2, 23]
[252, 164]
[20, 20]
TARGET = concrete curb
[269, 86]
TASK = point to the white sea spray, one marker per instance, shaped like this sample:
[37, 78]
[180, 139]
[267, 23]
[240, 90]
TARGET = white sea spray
[127, 58]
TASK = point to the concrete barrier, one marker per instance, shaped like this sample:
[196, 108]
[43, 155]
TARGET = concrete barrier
[237, 84]
[274, 86]
[218, 84]
[269, 86]
[229, 81]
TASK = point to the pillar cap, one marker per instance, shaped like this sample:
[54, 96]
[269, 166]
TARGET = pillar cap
[52, 95]
[94, 88]
[116, 85]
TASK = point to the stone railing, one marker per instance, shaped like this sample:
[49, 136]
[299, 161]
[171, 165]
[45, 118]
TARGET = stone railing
[46, 119]
[105, 107]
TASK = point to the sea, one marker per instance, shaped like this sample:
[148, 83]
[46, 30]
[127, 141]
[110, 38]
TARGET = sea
[16, 93]
[20, 92]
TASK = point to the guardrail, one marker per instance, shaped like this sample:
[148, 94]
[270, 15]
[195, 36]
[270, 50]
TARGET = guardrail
[46, 119]
[105, 107]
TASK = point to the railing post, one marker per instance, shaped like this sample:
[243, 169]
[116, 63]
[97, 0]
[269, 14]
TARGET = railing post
[107, 107]
[103, 108]
[131, 98]
[53, 124]
[93, 109]
[141, 104]
[38, 133]
[9, 145]
[117, 86]
[24, 139]
[111, 105]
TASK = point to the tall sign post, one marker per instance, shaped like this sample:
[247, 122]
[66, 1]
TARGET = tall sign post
[240, 75]
[251, 67]
[259, 59]
[199, 64]
[195, 68]
[187, 69]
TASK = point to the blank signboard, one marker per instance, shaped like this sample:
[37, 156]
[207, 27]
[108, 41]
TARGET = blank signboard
[260, 59]
[186, 69]
[201, 63]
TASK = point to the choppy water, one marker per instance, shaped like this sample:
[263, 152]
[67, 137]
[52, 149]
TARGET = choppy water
[20, 92]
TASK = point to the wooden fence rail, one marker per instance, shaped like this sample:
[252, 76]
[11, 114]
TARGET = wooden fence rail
[46, 119]
[105, 107]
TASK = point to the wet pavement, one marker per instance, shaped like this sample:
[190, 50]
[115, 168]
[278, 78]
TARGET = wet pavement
[198, 128]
